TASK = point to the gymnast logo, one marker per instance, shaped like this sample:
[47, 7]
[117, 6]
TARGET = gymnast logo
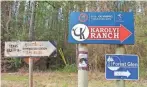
[80, 32]
[120, 16]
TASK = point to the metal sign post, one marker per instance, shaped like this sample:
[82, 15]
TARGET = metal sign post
[82, 57]
[82, 65]
[120, 50]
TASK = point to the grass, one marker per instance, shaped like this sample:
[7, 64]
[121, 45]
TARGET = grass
[142, 68]
[68, 68]
[13, 77]
[62, 79]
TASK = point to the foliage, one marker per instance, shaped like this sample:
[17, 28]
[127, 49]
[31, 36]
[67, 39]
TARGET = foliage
[17, 62]
[69, 68]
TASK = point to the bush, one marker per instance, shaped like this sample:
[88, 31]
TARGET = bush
[69, 68]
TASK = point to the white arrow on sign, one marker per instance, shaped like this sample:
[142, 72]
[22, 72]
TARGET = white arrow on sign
[28, 48]
[122, 73]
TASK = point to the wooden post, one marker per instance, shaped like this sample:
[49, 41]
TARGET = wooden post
[30, 72]
[120, 50]
[82, 65]
[31, 37]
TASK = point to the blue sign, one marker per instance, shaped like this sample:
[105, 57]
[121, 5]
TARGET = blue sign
[121, 67]
[101, 27]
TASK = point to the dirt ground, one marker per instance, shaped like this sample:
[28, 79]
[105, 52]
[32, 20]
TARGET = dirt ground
[61, 79]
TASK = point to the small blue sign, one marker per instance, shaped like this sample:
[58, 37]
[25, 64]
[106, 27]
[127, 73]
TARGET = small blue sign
[101, 27]
[124, 67]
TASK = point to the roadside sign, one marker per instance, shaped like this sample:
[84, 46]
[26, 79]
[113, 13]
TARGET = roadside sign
[101, 27]
[28, 48]
[121, 67]
[54, 54]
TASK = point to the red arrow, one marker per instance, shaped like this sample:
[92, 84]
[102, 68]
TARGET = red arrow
[124, 33]
[108, 33]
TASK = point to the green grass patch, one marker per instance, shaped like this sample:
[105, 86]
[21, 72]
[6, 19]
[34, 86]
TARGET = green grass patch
[143, 73]
[69, 68]
[61, 79]
[142, 68]
[14, 77]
